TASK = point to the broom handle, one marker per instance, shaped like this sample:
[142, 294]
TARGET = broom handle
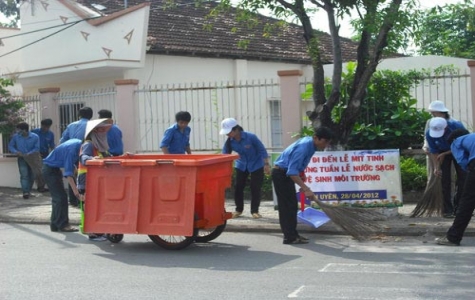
[302, 201]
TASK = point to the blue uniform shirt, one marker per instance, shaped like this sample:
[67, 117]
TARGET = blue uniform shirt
[114, 139]
[439, 145]
[75, 130]
[251, 152]
[297, 156]
[463, 149]
[175, 140]
[46, 139]
[25, 145]
[65, 156]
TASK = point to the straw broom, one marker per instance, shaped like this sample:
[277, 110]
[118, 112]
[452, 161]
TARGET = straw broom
[35, 162]
[358, 222]
[432, 200]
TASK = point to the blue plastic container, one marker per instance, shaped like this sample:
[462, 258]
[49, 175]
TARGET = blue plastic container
[313, 217]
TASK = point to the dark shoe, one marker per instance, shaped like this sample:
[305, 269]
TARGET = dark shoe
[303, 238]
[68, 228]
[97, 237]
[295, 242]
[449, 216]
[43, 190]
[26, 195]
[53, 228]
[445, 242]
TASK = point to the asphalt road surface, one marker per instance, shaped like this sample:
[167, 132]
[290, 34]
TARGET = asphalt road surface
[38, 264]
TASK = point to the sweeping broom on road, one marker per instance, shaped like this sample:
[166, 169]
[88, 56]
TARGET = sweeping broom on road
[432, 201]
[358, 222]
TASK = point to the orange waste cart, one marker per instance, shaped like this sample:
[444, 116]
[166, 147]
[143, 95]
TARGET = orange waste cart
[174, 199]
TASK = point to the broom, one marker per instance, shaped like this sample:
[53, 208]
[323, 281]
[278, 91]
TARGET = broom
[35, 162]
[432, 200]
[358, 222]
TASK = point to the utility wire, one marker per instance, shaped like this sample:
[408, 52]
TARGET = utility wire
[70, 25]
[86, 19]
[47, 28]
[43, 38]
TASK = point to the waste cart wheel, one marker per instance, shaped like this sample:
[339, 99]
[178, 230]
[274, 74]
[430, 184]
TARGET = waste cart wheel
[209, 234]
[115, 238]
[173, 242]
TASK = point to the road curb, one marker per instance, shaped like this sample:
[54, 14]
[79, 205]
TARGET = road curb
[329, 229]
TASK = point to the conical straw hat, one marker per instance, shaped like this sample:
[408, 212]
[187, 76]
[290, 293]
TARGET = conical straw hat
[94, 123]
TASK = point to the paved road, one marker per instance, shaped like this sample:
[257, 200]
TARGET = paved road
[39, 264]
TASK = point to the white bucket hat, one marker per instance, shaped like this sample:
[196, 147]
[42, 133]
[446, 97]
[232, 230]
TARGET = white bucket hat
[437, 127]
[437, 106]
[94, 123]
[227, 125]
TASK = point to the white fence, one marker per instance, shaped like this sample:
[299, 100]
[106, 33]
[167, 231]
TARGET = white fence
[255, 105]
[453, 89]
[97, 99]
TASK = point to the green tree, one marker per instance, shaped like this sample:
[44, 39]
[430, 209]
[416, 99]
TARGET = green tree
[12, 109]
[389, 118]
[400, 38]
[372, 41]
[10, 10]
[447, 30]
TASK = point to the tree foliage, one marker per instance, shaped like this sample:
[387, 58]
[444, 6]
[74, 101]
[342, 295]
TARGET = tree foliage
[10, 10]
[372, 41]
[447, 30]
[389, 118]
[12, 109]
[401, 37]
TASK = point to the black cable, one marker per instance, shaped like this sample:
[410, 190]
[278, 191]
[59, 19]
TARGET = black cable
[43, 38]
[47, 28]
[71, 24]
[86, 19]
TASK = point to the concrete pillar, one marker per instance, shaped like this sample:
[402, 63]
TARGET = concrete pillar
[471, 65]
[50, 109]
[126, 112]
[290, 104]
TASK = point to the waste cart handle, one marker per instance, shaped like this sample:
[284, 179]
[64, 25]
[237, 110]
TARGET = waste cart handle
[112, 162]
[165, 161]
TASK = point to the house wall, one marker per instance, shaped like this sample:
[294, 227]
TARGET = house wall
[82, 43]
[58, 46]
[423, 62]
[169, 69]
[427, 62]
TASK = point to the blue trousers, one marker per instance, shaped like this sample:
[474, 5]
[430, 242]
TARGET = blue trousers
[59, 199]
[27, 178]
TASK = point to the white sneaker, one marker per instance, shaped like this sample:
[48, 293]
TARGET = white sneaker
[236, 214]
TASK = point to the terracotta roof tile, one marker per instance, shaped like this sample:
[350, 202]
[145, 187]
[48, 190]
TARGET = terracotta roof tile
[181, 31]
